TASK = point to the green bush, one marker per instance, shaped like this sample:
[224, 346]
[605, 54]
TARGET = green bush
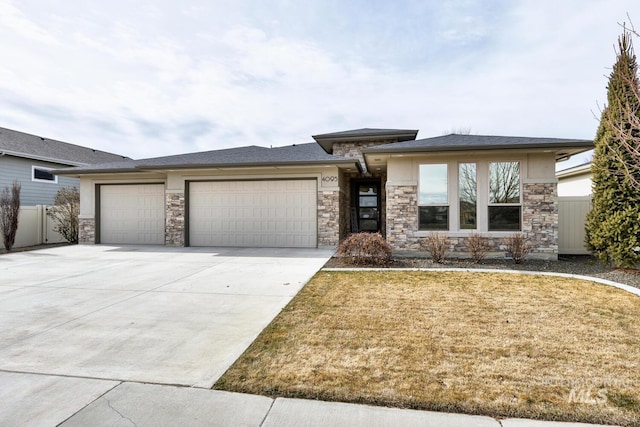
[617, 240]
[366, 249]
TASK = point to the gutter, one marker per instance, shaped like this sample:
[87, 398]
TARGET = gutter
[41, 158]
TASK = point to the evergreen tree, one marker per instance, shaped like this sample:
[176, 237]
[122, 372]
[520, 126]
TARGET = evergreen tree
[613, 225]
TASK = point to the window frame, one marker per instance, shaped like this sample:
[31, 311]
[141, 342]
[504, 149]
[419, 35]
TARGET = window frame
[446, 205]
[43, 168]
[482, 195]
[518, 204]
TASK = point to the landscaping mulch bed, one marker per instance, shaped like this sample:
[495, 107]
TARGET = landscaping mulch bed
[574, 264]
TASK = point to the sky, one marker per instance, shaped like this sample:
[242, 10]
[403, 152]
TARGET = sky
[154, 78]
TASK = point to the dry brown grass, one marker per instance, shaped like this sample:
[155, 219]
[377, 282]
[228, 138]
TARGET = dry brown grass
[483, 343]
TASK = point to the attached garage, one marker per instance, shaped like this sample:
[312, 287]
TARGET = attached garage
[131, 214]
[260, 213]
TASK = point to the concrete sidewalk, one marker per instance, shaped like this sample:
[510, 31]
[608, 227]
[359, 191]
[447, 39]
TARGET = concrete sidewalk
[49, 400]
[159, 405]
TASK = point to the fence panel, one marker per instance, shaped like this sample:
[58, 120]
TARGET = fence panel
[572, 217]
[35, 227]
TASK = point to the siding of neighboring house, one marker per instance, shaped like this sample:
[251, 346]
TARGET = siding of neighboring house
[32, 193]
[575, 186]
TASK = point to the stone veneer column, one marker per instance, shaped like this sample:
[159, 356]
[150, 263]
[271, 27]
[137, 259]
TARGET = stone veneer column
[540, 217]
[402, 217]
[328, 217]
[86, 230]
[174, 219]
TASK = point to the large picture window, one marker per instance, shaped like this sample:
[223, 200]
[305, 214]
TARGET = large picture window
[433, 197]
[504, 196]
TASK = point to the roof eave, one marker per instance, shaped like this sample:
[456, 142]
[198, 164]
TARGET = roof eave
[245, 164]
[415, 150]
[71, 172]
[327, 141]
[40, 158]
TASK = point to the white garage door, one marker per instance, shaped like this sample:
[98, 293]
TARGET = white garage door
[274, 213]
[132, 214]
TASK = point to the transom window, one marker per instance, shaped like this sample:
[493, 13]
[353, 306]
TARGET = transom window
[433, 198]
[43, 174]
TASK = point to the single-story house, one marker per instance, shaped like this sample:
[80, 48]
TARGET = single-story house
[29, 160]
[575, 181]
[315, 194]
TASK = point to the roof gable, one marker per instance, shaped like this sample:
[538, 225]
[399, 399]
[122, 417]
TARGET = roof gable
[35, 147]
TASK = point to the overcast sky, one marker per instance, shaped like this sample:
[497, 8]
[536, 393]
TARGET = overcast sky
[152, 78]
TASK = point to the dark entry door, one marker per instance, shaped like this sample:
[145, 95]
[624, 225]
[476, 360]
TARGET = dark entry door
[367, 204]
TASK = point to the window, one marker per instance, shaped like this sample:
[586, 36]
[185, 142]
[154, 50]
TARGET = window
[467, 195]
[433, 198]
[504, 196]
[42, 174]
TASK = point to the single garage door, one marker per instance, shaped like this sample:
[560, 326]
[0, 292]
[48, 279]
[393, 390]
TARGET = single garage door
[272, 213]
[132, 214]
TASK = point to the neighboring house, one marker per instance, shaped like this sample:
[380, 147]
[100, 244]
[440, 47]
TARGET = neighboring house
[315, 194]
[575, 181]
[29, 160]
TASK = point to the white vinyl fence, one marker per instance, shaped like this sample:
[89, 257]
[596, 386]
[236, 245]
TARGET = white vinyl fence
[35, 227]
[572, 217]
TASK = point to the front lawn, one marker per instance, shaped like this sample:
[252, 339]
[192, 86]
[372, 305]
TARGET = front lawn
[503, 345]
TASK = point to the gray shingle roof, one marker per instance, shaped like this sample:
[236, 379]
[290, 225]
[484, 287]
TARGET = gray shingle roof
[31, 146]
[456, 142]
[299, 154]
[366, 132]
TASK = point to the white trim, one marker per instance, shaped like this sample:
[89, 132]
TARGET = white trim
[43, 168]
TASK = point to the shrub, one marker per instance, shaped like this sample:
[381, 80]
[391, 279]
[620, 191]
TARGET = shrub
[9, 211]
[477, 246]
[366, 249]
[436, 245]
[518, 247]
[65, 213]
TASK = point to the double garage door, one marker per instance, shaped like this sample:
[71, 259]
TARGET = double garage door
[270, 213]
[253, 213]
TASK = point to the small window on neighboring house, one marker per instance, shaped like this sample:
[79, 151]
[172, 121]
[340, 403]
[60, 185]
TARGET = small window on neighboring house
[43, 174]
[505, 208]
[433, 197]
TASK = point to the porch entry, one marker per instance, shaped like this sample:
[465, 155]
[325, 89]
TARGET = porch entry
[365, 205]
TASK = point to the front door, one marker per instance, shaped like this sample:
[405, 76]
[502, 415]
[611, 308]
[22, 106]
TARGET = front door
[366, 205]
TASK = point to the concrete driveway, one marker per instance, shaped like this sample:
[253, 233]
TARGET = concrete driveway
[77, 321]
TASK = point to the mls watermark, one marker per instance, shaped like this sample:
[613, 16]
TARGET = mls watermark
[588, 396]
[588, 391]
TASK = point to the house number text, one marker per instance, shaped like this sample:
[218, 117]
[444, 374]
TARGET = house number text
[329, 178]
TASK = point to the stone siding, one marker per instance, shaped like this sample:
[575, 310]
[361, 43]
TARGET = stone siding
[402, 217]
[354, 149]
[540, 217]
[174, 229]
[539, 222]
[328, 218]
[86, 230]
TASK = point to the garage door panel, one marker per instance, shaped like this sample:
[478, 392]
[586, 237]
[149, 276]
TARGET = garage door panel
[253, 213]
[132, 214]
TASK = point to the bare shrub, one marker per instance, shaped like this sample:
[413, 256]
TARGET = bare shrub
[478, 246]
[65, 213]
[366, 249]
[436, 245]
[9, 211]
[517, 246]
